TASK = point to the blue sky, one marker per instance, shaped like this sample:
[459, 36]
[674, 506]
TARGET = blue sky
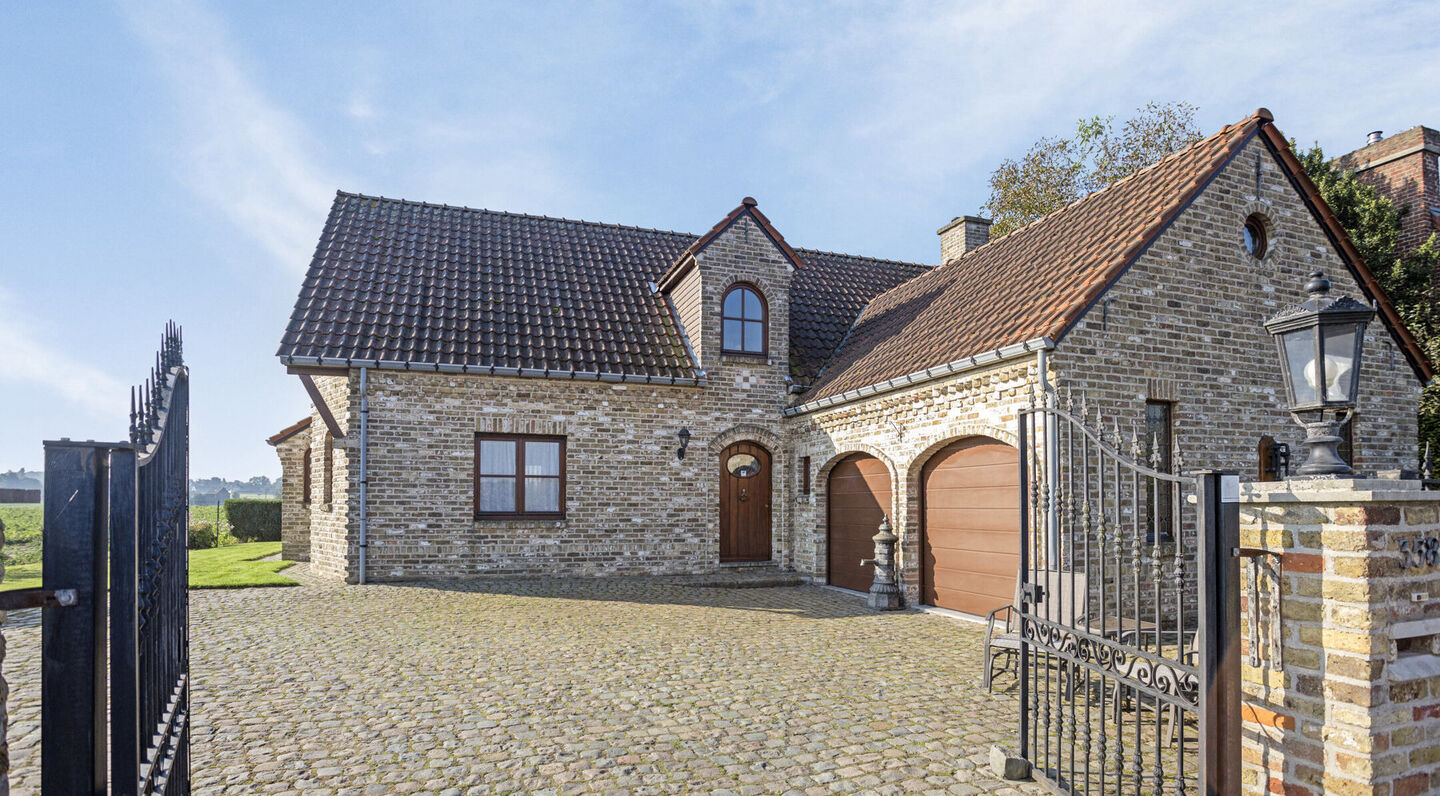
[176, 159]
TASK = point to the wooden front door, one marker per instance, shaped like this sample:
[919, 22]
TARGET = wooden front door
[745, 503]
[970, 537]
[859, 499]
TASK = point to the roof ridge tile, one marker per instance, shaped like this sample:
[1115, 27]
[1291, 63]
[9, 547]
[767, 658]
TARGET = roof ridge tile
[1031, 283]
[513, 214]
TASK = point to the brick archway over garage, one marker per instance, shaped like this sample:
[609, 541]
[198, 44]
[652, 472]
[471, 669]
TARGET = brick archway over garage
[970, 525]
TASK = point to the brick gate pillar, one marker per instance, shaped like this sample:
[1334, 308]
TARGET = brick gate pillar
[1341, 651]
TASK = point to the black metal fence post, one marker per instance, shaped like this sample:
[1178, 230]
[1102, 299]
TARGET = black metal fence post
[1024, 665]
[1218, 515]
[72, 685]
[124, 615]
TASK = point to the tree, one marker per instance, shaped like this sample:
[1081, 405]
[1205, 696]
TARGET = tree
[1409, 280]
[1370, 218]
[1056, 172]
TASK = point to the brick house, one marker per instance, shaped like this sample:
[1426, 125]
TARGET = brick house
[1405, 168]
[536, 396]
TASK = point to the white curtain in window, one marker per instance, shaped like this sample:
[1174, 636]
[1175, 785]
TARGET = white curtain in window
[497, 457]
[542, 458]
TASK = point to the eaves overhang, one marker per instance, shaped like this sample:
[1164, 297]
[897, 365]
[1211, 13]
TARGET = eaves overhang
[936, 373]
[492, 370]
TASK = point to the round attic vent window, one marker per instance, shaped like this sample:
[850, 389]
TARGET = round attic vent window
[742, 465]
[1255, 237]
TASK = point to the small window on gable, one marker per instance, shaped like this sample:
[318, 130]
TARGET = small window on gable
[1255, 236]
[742, 320]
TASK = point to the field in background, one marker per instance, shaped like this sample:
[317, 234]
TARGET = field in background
[22, 542]
[200, 512]
[226, 567]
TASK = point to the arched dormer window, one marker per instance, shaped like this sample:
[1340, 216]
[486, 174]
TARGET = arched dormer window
[742, 321]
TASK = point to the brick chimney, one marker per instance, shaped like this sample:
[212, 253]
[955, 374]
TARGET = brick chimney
[963, 234]
[1406, 168]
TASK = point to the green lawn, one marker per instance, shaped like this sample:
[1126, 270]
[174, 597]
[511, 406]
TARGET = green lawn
[232, 567]
[235, 567]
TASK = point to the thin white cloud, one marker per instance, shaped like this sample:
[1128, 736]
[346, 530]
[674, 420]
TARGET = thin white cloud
[28, 363]
[238, 150]
[360, 108]
[902, 110]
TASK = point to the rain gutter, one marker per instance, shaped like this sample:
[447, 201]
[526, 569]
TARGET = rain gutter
[969, 363]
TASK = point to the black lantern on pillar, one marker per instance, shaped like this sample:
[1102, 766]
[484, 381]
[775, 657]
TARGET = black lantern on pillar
[1320, 344]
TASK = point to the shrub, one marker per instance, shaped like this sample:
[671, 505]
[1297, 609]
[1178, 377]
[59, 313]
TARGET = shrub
[254, 520]
[202, 535]
[205, 534]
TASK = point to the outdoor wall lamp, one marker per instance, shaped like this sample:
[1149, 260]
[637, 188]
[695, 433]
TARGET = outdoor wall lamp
[1320, 343]
[684, 443]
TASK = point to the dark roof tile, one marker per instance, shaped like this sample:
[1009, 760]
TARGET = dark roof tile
[407, 281]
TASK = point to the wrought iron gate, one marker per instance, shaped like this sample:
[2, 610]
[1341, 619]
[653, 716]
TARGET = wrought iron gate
[1129, 610]
[123, 505]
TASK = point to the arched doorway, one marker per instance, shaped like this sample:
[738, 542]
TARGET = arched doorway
[858, 498]
[970, 526]
[744, 503]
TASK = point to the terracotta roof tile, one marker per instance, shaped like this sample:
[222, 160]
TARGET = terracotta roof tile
[1033, 283]
[289, 431]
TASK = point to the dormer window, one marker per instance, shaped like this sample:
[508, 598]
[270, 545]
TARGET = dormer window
[743, 321]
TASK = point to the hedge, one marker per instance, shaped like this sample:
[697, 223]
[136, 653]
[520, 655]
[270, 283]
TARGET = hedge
[254, 520]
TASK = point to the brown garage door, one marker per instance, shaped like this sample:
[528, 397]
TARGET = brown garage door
[859, 498]
[970, 545]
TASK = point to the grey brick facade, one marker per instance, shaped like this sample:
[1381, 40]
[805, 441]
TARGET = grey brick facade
[1183, 324]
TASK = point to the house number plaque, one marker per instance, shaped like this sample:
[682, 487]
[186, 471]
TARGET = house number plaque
[1419, 553]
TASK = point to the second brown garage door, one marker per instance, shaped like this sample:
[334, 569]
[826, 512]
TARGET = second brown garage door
[859, 492]
[970, 543]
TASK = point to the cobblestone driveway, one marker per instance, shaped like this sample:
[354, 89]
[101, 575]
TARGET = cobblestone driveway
[569, 687]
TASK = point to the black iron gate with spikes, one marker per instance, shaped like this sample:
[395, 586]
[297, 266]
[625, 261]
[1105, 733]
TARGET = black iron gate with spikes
[118, 511]
[1128, 610]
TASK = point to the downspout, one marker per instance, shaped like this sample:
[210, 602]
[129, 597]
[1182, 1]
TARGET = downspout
[1052, 464]
[364, 472]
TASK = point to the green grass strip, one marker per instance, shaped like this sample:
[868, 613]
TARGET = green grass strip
[233, 567]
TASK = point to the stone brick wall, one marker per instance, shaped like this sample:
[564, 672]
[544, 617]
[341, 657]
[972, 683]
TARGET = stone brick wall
[1343, 692]
[631, 505]
[1404, 168]
[902, 429]
[1185, 324]
[294, 511]
[333, 543]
